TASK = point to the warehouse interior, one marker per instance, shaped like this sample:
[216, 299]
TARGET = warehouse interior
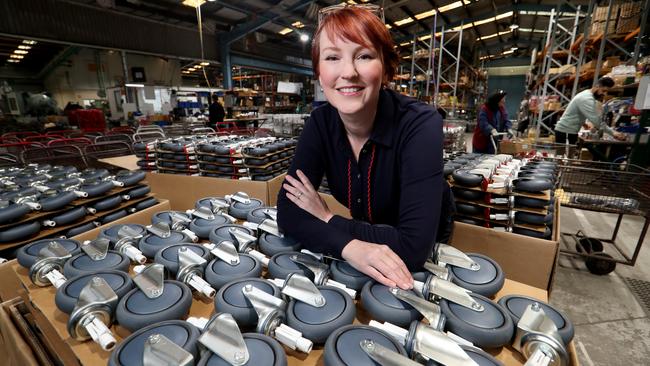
[136, 98]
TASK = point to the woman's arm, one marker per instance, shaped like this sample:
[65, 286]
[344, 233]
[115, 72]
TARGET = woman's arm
[484, 124]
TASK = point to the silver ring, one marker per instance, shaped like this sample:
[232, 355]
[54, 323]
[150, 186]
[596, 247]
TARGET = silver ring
[299, 194]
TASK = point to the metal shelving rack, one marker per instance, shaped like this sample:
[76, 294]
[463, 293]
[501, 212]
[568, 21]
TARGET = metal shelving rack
[448, 63]
[560, 39]
[427, 52]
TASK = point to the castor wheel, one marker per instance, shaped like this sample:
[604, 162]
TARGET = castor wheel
[383, 305]
[522, 201]
[29, 254]
[177, 221]
[215, 204]
[533, 233]
[260, 214]
[242, 237]
[281, 264]
[480, 357]
[172, 338]
[599, 266]
[244, 349]
[204, 221]
[46, 268]
[533, 219]
[96, 257]
[186, 263]
[124, 238]
[241, 205]
[487, 325]
[154, 300]
[487, 280]
[464, 177]
[230, 265]
[161, 236]
[316, 311]
[468, 194]
[516, 306]
[343, 347]
[230, 299]
[532, 185]
[67, 295]
[92, 314]
[344, 273]
[271, 240]
[589, 245]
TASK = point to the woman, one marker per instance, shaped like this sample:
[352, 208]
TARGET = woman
[492, 119]
[381, 153]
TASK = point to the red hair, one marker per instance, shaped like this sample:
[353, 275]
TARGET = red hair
[362, 27]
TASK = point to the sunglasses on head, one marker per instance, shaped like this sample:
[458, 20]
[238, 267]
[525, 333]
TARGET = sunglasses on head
[375, 9]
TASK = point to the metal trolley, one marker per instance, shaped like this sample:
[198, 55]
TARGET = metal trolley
[603, 187]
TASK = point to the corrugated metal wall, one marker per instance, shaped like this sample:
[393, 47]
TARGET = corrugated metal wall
[75, 23]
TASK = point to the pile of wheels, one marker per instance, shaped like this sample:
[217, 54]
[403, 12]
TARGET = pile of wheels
[500, 192]
[271, 299]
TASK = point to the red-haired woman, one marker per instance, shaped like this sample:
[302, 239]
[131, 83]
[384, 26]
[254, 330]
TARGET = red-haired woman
[380, 151]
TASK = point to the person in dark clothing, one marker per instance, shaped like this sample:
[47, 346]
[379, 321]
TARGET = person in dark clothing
[216, 112]
[492, 119]
[380, 151]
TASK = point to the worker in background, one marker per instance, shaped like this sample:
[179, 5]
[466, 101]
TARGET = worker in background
[216, 112]
[523, 117]
[586, 105]
[492, 119]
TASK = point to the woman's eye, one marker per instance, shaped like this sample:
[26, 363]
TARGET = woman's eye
[331, 58]
[366, 56]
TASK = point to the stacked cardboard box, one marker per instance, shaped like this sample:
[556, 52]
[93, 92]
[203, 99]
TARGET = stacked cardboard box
[630, 17]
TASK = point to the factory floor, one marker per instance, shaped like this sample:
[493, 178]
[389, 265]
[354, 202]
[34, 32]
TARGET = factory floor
[612, 326]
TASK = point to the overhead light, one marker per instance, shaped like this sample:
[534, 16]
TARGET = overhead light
[193, 3]
[304, 37]
[493, 35]
[197, 66]
[404, 21]
[29, 41]
[13, 61]
[514, 26]
[514, 48]
[285, 31]
[191, 69]
[17, 56]
[185, 72]
[23, 47]
[388, 26]
[21, 52]
[134, 85]
[507, 52]
[298, 24]
[205, 64]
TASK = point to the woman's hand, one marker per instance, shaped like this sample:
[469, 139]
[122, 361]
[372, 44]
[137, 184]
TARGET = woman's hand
[379, 262]
[303, 195]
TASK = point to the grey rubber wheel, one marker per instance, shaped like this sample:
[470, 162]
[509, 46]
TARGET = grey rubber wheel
[82, 264]
[222, 232]
[67, 295]
[516, 305]
[487, 281]
[110, 232]
[521, 201]
[533, 233]
[57, 201]
[27, 255]
[533, 219]
[13, 212]
[203, 227]
[343, 346]
[383, 306]
[281, 265]
[130, 351]
[164, 216]
[149, 202]
[129, 178]
[464, 178]
[469, 209]
[230, 299]
[69, 216]
[20, 232]
[218, 272]
[80, 229]
[114, 216]
[168, 256]
[344, 273]
[150, 244]
[491, 328]
[241, 210]
[97, 189]
[468, 194]
[107, 203]
[135, 310]
[258, 215]
[139, 192]
[316, 324]
[534, 185]
[263, 351]
[272, 245]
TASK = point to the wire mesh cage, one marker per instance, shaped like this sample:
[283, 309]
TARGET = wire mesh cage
[55, 155]
[604, 187]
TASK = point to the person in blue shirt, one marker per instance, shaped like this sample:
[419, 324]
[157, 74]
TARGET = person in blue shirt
[492, 119]
[380, 151]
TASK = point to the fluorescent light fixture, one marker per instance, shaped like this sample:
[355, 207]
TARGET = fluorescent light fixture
[21, 52]
[193, 3]
[185, 72]
[514, 26]
[13, 61]
[191, 69]
[285, 31]
[507, 52]
[304, 37]
[17, 56]
[134, 85]
[388, 26]
[23, 47]
[197, 66]
[298, 24]
[493, 35]
[514, 48]
[29, 41]
[404, 21]
[352, 2]
[205, 64]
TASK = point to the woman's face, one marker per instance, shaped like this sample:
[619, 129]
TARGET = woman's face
[350, 75]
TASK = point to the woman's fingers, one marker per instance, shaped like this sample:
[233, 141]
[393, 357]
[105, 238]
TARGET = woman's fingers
[304, 180]
[377, 276]
[391, 269]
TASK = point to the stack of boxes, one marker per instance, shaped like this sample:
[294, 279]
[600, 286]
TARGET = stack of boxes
[624, 18]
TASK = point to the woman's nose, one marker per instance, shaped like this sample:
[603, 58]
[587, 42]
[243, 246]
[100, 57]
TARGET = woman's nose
[349, 70]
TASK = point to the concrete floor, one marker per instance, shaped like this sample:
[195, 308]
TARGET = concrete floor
[612, 326]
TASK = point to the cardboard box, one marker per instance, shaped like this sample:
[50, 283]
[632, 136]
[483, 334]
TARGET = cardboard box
[183, 191]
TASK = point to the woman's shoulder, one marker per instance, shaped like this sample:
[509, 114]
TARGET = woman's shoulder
[413, 113]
